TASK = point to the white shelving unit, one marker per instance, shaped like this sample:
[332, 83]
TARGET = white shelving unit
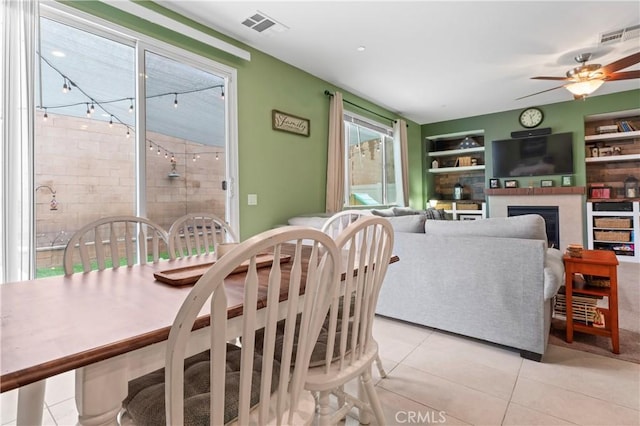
[463, 214]
[626, 251]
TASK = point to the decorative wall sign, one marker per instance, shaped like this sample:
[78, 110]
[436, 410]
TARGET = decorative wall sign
[290, 123]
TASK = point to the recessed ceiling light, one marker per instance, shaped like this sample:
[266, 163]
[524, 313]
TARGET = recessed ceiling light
[361, 48]
[58, 53]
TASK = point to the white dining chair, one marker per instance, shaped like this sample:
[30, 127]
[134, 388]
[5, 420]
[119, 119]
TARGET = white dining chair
[340, 220]
[334, 227]
[252, 386]
[104, 242]
[198, 233]
[351, 349]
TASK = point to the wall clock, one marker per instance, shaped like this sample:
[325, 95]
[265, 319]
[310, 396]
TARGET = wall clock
[531, 117]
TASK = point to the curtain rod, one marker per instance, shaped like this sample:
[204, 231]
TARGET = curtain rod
[328, 93]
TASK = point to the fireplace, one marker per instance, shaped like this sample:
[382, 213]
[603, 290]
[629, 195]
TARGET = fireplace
[550, 216]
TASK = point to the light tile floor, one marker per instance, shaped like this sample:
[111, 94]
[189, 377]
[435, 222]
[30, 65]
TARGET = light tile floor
[438, 378]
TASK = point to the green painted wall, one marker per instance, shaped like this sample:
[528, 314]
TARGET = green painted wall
[286, 171]
[561, 117]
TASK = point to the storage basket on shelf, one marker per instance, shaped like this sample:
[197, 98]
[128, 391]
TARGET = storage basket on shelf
[623, 236]
[613, 222]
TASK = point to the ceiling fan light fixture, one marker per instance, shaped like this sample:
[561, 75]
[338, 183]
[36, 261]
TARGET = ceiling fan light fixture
[582, 89]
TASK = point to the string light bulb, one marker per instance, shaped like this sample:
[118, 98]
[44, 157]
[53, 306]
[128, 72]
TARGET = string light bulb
[88, 111]
[175, 102]
[217, 158]
[65, 88]
[222, 92]
[150, 146]
[194, 158]
[128, 134]
[158, 151]
[45, 116]
[93, 108]
[131, 105]
[111, 121]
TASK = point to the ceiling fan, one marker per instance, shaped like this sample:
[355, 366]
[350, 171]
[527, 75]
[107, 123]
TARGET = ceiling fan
[587, 78]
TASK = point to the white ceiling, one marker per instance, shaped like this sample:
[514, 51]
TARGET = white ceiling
[431, 61]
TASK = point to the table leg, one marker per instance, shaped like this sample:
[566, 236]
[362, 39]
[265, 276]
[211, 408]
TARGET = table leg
[100, 390]
[613, 309]
[31, 404]
[568, 294]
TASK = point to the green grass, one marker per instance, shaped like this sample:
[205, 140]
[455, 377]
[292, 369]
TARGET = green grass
[59, 270]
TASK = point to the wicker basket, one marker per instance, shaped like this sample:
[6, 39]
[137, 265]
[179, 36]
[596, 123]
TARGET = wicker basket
[613, 222]
[467, 206]
[622, 236]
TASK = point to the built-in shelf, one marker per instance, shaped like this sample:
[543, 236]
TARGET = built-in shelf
[455, 152]
[612, 158]
[456, 169]
[612, 136]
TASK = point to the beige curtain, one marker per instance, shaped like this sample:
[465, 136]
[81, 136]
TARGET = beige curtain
[401, 161]
[335, 156]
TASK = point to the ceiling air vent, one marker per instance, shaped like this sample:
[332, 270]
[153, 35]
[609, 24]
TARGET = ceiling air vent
[263, 24]
[623, 34]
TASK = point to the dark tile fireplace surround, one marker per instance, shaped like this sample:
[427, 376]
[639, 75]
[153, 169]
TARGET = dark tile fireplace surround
[550, 216]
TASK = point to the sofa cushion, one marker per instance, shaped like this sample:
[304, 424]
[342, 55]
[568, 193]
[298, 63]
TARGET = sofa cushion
[553, 272]
[309, 221]
[531, 227]
[410, 223]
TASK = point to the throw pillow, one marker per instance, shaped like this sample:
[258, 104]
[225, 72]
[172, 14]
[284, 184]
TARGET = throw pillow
[553, 273]
[406, 211]
[384, 212]
[435, 214]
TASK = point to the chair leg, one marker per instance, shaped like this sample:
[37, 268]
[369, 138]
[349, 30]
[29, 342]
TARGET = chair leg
[372, 397]
[324, 412]
[383, 373]
[364, 414]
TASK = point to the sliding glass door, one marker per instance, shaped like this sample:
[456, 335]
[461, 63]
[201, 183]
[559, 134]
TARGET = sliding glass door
[124, 127]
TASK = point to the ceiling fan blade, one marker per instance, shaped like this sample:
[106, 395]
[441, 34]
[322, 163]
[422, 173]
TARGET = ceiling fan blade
[550, 78]
[537, 93]
[621, 64]
[624, 75]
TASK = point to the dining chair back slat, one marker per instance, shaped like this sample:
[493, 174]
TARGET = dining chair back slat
[109, 239]
[282, 374]
[198, 233]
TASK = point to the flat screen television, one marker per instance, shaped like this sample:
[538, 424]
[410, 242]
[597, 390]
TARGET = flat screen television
[533, 156]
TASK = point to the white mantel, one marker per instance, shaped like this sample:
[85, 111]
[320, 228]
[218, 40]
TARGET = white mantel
[570, 211]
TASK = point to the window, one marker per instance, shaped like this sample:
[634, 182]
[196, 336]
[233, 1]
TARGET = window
[108, 143]
[370, 176]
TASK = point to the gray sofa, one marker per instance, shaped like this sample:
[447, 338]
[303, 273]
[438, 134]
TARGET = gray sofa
[490, 279]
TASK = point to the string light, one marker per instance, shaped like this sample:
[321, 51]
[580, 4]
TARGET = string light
[45, 116]
[131, 105]
[128, 134]
[175, 102]
[158, 150]
[88, 111]
[217, 158]
[150, 146]
[93, 108]
[222, 92]
[194, 158]
[111, 121]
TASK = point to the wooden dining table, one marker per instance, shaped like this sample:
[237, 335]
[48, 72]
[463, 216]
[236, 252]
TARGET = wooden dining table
[109, 326]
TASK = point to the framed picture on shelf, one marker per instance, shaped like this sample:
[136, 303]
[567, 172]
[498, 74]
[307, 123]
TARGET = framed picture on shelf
[567, 180]
[546, 183]
[510, 183]
[494, 183]
[602, 192]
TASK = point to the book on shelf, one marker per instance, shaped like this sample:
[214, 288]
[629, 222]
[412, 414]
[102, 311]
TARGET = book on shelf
[626, 126]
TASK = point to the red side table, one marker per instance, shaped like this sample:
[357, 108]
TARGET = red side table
[602, 263]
